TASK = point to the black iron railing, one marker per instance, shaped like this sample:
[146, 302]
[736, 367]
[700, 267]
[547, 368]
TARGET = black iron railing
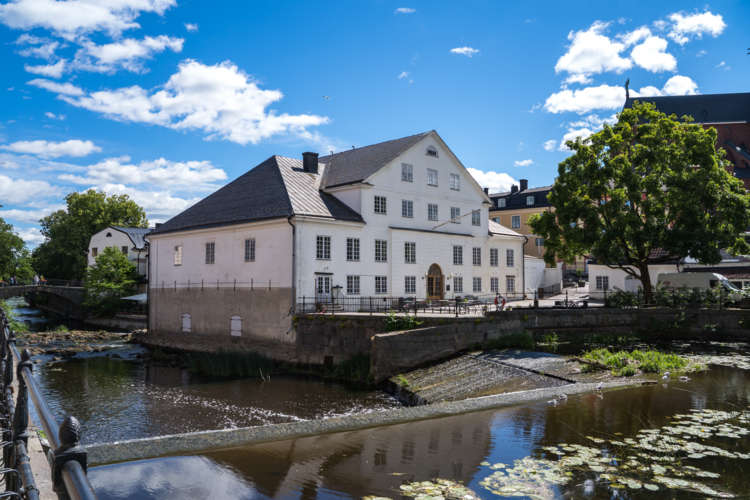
[67, 459]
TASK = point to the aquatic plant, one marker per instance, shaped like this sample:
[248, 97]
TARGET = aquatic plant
[624, 363]
[439, 488]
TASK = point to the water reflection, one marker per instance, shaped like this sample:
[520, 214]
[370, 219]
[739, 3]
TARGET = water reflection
[378, 461]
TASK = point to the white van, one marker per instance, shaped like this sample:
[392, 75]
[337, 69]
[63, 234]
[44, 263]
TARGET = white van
[701, 281]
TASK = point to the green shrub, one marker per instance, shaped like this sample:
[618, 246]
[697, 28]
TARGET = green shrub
[622, 363]
[394, 323]
[15, 325]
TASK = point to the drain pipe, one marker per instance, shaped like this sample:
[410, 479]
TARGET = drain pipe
[523, 264]
[294, 260]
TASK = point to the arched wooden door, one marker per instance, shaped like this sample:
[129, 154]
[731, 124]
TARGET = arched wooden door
[435, 282]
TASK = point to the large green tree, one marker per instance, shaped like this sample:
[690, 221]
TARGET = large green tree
[14, 256]
[648, 189]
[112, 276]
[68, 231]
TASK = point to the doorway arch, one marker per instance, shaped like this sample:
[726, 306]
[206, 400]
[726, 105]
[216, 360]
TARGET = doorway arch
[435, 283]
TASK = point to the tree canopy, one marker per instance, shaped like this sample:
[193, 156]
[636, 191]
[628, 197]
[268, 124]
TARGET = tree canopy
[648, 189]
[14, 256]
[68, 231]
[112, 276]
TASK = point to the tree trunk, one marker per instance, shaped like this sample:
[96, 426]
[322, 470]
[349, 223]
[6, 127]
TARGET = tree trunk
[648, 292]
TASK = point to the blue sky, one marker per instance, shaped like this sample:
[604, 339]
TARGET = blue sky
[165, 100]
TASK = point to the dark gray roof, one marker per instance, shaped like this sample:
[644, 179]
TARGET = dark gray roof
[514, 201]
[276, 188]
[136, 235]
[707, 108]
[356, 165]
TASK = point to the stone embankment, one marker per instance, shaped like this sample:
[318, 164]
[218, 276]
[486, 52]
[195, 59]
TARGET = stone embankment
[68, 343]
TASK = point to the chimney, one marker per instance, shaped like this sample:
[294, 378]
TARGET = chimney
[513, 189]
[310, 162]
[486, 190]
[524, 184]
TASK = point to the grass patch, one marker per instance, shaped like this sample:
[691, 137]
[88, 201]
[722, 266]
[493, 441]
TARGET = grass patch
[401, 380]
[522, 340]
[627, 364]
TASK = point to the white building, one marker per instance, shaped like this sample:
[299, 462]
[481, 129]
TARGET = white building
[129, 240]
[399, 218]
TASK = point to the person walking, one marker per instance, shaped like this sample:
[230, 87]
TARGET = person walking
[36, 280]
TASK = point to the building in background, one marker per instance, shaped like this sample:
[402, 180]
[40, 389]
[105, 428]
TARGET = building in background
[131, 241]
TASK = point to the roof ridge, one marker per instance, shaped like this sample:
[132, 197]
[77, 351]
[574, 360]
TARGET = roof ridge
[378, 143]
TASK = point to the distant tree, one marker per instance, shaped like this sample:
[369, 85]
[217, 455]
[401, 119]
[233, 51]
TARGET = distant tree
[112, 277]
[14, 256]
[648, 189]
[68, 231]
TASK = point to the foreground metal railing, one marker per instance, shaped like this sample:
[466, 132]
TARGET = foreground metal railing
[67, 459]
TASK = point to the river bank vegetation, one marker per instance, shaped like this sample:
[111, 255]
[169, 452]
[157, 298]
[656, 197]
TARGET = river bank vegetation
[629, 363]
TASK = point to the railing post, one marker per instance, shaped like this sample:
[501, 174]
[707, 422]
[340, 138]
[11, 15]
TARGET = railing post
[70, 449]
[21, 414]
[7, 396]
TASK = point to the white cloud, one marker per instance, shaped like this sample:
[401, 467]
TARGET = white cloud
[635, 36]
[550, 145]
[72, 18]
[29, 216]
[16, 191]
[44, 51]
[51, 70]
[47, 149]
[465, 51]
[651, 56]
[157, 204]
[580, 78]
[53, 116]
[403, 74]
[189, 175]
[404, 10]
[128, 53]
[684, 27]
[31, 236]
[593, 121]
[677, 85]
[221, 100]
[701, 53]
[591, 52]
[572, 135]
[523, 163]
[191, 27]
[495, 181]
[586, 99]
[723, 65]
[66, 88]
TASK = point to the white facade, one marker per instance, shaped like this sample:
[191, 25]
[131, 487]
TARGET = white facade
[280, 242]
[602, 278]
[538, 275]
[111, 237]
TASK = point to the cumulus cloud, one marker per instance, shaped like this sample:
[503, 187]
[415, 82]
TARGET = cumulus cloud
[53, 116]
[635, 36]
[28, 216]
[495, 181]
[31, 236]
[523, 163]
[677, 85]
[128, 53]
[574, 134]
[191, 27]
[48, 149]
[579, 78]
[52, 70]
[220, 100]
[66, 88]
[404, 10]
[550, 144]
[586, 99]
[465, 51]
[73, 18]
[44, 51]
[16, 191]
[651, 55]
[592, 52]
[688, 26]
[188, 175]
[159, 205]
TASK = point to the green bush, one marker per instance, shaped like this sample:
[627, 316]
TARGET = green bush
[15, 325]
[394, 323]
[111, 278]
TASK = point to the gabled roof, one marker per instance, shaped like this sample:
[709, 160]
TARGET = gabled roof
[356, 165]
[517, 200]
[136, 235]
[706, 108]
[276, 188]
[495, 228]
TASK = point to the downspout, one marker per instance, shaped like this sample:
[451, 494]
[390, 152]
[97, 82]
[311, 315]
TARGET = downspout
[148, 285]
[294, 262]
[523, 264]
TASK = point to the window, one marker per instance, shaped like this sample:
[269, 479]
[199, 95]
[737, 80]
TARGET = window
[94, 252]
[455, 182]
[530, 201]
[352, 285]
[407, 172]
[476, 218]
[410, 252]
[515, 221]
[381, 284]
[432, 177]
[410, 284]
[352, 249]
[432, 211]
[186, 323]
[124, 249]
[235, 326]
[602, 282]
[380, 205]
[177, 255]
[455, 215]
[250, 250]
[458, 255]
[407, 208]
[431, 151]
[476, 256]
[510, 284]
[476, 285]
[323, 248]
[496, 219]
[381, 251]
[493, 257]
[509, 257]
[501, 203]
[210, 252]
[458, 284]
[539, 242]
[494, 285]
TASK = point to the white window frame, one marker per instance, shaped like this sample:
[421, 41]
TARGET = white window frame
[510, 257]
[510, 284]
[431, 151]
[410, 252]
[432, 177]
[177, 257]
[455, 182]
[494, 257]
[410, 285]
[352, 249]
[381, 251]
[249, 249]
[494, 284]
[456, 215]
[515, 221]
[407, 172]
[407, 209]
[476, 217]
[530, 200]
[476, 284]
[458, 255]
[322, 247]
[501, 203]
[210, 252]
[476, 256]
[352, 284]
[458, 284]
[381, 285]
[432, 211]
[235, 326]
[380, 205]
[602, 283]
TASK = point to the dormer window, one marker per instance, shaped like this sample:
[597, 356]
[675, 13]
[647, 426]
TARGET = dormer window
[432, 151]
[501, 203]
[530, 201]
[109, 235]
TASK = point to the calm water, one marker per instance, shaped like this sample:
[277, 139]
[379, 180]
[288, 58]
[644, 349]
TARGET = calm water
[461, 448]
